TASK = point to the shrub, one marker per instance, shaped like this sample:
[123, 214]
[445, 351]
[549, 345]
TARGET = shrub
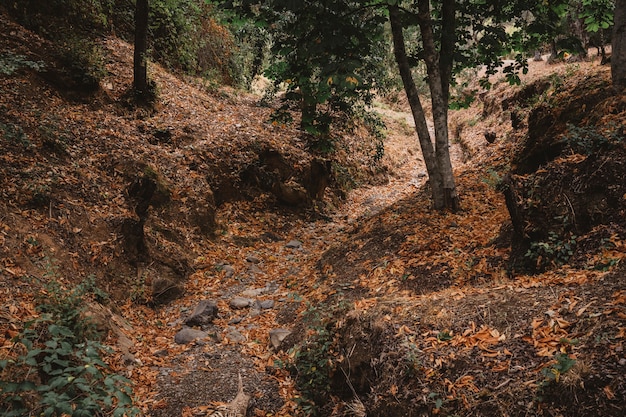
[55, 367]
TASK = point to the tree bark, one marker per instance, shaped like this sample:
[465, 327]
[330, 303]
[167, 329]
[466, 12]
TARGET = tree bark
[437, 77]
[421, 127]
[618, 46]
[140, 67]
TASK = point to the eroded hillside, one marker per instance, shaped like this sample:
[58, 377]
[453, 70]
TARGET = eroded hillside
[385, 307]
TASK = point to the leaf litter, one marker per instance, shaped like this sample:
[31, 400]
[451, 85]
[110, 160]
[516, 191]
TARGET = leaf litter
[433, 318]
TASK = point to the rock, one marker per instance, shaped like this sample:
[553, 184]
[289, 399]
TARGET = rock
[255, 269]
[234, 335]
[294, 244]
[188, 335]
[266, 304]
[229, 271]
[253, 259]
[255, 310]
[254, 292]
[204, 313]
[129, 359]
[239, 303]
[277, 336]
[161, 353]
[235, 320]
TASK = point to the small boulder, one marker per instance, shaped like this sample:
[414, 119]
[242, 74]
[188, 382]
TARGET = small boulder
[188, 335]
[239, 303]
[266, 304]
[277, 336]
[229, 271]
[254, 269]
[253, 259]
[234, 335]
[294, 244]
[204, 313]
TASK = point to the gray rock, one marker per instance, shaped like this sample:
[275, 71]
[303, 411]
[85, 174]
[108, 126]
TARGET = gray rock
[266, 304]
[229, 271]
[277, 336]
[253, 259]
[294, 244]
[254, 292]
[234, 335]
[188, 335]
[253, 268]
[239, 303]
[204, 313]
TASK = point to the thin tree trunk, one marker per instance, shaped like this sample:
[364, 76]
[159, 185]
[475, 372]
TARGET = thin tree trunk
[448, 40]
[428, 151]
[140, 68]
[439, 99]
[618, 46]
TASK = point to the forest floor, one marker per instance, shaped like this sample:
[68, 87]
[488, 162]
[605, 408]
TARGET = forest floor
[392, 308]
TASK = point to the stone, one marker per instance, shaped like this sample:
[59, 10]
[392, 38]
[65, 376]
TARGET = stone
[294, 244]
[255, 292]
[204, 313]
[277, 336]
[253, 259]
[266, 304]
[234, 335]
[229, 271]
[188, 335]
[253, 268]
[239, 303]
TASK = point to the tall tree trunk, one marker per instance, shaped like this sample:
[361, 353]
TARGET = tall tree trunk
[140, 67]
[437, 77]
[448, 41]
[618, 46]
[428, 151]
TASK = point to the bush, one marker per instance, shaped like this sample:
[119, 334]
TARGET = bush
[55, 367]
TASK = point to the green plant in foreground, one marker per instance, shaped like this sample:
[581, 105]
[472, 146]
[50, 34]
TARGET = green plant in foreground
[552, 374]
[57, 368]
[10, 64]
[554, 250]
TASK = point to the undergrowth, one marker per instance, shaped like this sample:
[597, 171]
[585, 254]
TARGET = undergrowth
[55, 365]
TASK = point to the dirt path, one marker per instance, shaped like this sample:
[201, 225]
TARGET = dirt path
[193, 379]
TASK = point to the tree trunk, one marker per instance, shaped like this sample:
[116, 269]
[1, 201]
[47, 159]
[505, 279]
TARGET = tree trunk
[428, 151]
[618, 45]
[140, 67]
[437, 78]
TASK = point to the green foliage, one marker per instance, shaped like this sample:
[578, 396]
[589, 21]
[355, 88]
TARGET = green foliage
[14, 134]
[587, 140]
[172, 26]
[597, 14]
[493, 179]
[11, 63]
[84, 59]
[312, 360]
[555, 250]
[58, 369]
[326, 56]
[553, 373]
